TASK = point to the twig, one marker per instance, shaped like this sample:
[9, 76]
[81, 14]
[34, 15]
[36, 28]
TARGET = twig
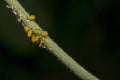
[20, 12]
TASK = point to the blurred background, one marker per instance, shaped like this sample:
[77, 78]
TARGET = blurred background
[88, 30]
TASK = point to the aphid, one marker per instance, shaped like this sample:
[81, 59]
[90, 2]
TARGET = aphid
[37, 38]
[20, 15]
[36, 31]
[8, 6]
[14, 11]
[31, 17]
[29, 33]
[19, 20]
[42, 44]
[26, 28]
[34, 38]
[44, 33]
[23, 24]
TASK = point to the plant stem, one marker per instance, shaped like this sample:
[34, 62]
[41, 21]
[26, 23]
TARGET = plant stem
[50, 44]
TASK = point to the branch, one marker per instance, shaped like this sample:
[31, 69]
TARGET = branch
[46, 41]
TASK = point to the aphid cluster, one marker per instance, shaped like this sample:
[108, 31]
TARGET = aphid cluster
[35, 34]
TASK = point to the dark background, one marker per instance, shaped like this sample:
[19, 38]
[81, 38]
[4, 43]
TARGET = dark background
[88, 30]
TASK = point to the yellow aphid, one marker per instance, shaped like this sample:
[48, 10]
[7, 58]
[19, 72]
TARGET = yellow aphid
[36, 31]
[26, 28]
[31, 17]
[35, 38]
[42, 42]
[44, 46]
[19, 19]
[44, 33]
[23, 24]
[29, 33]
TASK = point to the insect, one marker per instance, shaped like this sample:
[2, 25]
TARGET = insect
[35, 38]
[35, 34]
[19, 20]
[29, 33]
[42, 44]
[31, 17]
[26, 28]
[44, 33]
[36, 31]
